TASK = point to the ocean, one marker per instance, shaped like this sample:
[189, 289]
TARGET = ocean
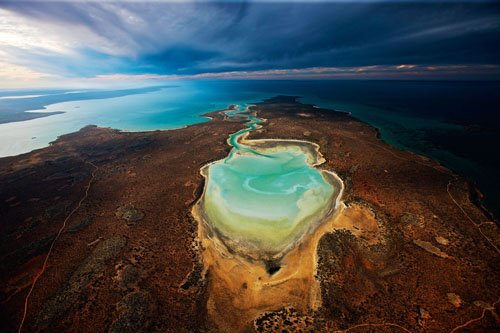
[454, 122]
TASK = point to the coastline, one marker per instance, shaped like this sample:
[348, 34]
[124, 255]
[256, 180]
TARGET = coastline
[271, 283]
[400, 240]
[487, 200]
[37, 105]
[263, 146]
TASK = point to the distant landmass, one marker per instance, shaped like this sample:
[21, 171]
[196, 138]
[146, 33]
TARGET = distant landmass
[12, 107]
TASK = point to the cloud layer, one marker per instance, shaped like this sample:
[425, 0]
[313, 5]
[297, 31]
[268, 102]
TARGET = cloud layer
[88, 39]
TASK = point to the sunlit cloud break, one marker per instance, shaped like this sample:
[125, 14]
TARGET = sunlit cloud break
[375, 71]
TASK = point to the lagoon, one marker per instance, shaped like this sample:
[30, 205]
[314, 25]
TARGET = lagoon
[454, 122]
[262, 199]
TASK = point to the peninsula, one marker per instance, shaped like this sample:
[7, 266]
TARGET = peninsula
[270, 217]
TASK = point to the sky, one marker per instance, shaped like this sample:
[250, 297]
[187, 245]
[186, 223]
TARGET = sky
[61, 43]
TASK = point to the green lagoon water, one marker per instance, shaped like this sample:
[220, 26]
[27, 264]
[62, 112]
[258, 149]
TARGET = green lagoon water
[454, 122]
[264, 201]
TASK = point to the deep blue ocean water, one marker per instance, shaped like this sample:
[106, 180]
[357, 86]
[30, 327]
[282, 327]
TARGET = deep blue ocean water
[455, 122]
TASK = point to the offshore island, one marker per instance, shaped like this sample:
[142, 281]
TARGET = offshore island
[302, 220]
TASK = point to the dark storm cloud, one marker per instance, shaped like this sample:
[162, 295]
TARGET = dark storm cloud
[197, 37]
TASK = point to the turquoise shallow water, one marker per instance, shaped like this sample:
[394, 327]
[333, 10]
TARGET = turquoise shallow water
[264, 201]
[456, 123]
[168, 108]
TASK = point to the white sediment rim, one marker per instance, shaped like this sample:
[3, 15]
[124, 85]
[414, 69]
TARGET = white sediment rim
[314, 159]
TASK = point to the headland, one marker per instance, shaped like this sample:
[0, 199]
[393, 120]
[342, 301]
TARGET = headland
[407, 250]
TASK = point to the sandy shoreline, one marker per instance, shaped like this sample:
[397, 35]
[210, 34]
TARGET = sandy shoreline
[295, 266]
[409, 247]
